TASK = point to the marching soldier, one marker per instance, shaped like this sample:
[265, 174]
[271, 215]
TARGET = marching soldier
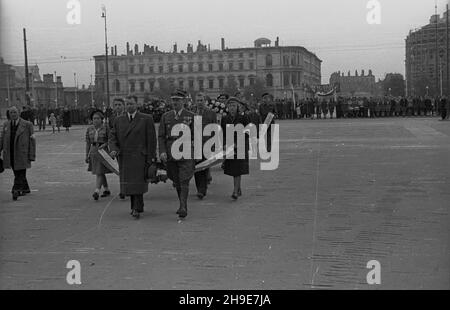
[180, 171]
[208, 117]
[265, 108]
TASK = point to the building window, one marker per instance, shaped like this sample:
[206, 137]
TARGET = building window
[210, 67]
[220, 66]
[241, 55]
[200, 85]
[180, 68]
[252, 80]
[152, 84]
[191, 67]
[142, 86]
[211, 84]
[131, 69]
[230, 55]
[221, 83]
[250, 55]
[241, 66]
[241, 82]
[161, 69]
[181, 84]
[269, 80]
[251, 65]
[132, 87]
[230, 66]
[286, 78]
[141, 69]
[115, 66]
[150, 69]
[200, 67]
[100, 68]
[170, 68]
[117, 85]
[294, 79]
[191, 84]
[268, 60]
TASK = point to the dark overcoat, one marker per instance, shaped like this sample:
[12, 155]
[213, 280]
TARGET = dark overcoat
[24, 145]
[236, 167]
[135, 143]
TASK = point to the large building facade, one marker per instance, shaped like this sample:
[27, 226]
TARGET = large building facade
[358, 85]
[426, 65]
[284, 70]
[47, 91]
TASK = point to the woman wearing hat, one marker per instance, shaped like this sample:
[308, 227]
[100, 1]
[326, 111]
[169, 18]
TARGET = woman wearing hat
[236, 167]
[97, 138]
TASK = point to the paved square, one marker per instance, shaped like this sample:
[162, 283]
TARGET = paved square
[346, 192]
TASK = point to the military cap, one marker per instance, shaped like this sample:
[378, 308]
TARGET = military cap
[225, 96]
[180, 94]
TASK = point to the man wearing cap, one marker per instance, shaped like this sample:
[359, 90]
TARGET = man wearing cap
[265, 108]
[133, 141]
[180, 171]
[208, 117]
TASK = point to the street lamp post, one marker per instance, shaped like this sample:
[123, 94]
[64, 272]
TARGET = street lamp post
[56, 91]
[106, 56]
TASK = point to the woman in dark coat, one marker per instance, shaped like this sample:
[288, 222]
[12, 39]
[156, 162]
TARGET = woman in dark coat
[236, 167]
[97, 138]
[67, 122]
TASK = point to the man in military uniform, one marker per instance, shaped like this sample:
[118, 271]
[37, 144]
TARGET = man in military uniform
[208, 117]
[119, 110]
[180, 171]
[265, 108]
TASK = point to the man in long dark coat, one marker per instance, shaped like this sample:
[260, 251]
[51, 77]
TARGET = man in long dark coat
[208, 117]
[18, 145]
[133, 141]
[265, 108]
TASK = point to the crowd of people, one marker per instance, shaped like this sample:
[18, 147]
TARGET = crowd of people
[130, 136]
[128, 132]
[340, 107]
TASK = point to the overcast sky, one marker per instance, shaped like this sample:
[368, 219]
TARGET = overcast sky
[337, 31]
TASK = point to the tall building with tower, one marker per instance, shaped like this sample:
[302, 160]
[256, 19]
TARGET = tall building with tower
[285, 70]
[427, 57]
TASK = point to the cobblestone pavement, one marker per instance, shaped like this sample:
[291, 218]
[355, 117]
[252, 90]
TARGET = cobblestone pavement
[346, 192]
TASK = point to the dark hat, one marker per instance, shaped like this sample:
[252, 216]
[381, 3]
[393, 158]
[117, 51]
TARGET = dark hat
[102, 116]
[180, 94]
[225, 96]
[234, 99]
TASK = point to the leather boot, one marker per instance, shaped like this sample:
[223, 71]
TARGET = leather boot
[184, 193]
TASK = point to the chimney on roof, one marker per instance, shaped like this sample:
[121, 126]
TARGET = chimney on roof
[112, 51]
[128, 48]
[175, 48]
[115, 50]
[362, 72]
[136, 49]
[58, 80]
[222, 44]
[277, 42]
[209, 47]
